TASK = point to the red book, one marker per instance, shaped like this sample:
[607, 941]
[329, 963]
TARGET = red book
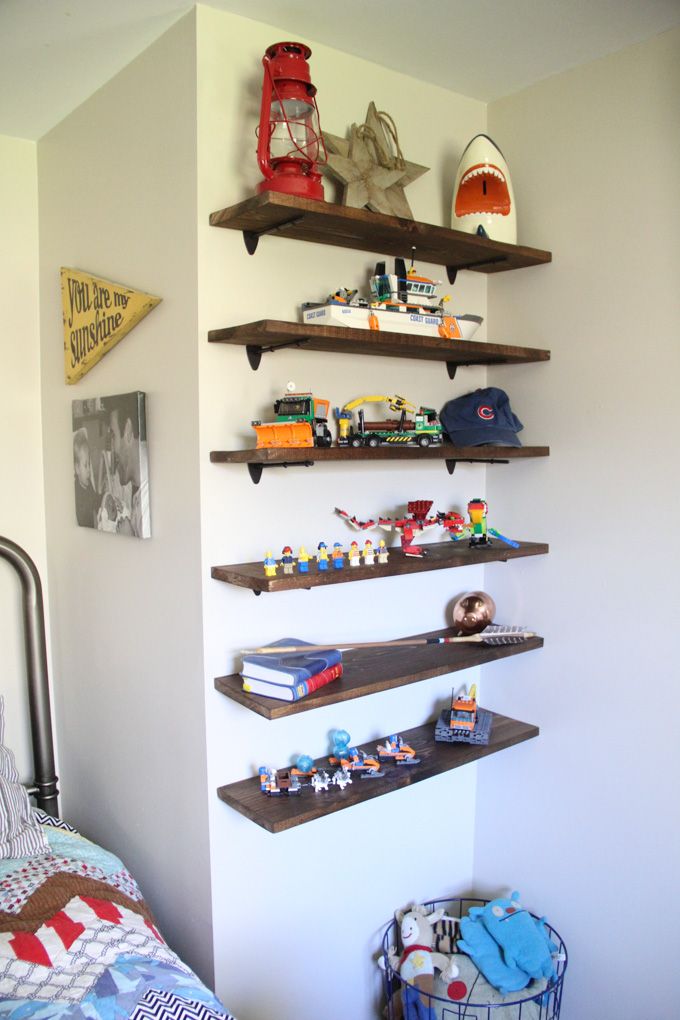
[322, 678]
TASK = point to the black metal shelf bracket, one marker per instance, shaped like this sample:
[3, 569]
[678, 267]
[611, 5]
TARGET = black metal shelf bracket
[254, 352]
[451, 368]
[452, 271]
[255, 469]
[251, 237]
[451, 464]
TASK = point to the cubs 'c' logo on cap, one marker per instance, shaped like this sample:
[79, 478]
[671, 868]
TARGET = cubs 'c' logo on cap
[485, 412]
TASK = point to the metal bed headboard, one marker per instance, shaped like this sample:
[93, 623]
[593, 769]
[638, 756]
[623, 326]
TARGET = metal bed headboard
[44, 788]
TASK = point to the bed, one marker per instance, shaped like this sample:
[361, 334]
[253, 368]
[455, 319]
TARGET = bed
[77, 939]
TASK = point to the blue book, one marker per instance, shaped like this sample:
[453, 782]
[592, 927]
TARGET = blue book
[290, 668]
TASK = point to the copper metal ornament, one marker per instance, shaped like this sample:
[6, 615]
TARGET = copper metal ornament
[473, 612]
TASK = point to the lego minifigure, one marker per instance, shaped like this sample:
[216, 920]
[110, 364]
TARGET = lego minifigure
[287, 559]
[322, 556]
[383, 554]
[303, 560]
[369, 555]
[338, 556]
[354, 555]
[270, 564]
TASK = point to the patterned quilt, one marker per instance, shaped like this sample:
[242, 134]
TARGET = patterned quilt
[77, 942]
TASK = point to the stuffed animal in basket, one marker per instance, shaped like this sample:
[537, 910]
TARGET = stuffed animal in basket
[418, 960]
[486, 954]
[524, 941]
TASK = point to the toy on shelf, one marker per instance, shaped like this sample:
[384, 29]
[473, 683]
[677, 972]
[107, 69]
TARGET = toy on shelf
[304, 766]
[301, 421]
[341, 741]
[394, 749]
[422, 429]
[322, 556]
[303, 560]
[413, 523]
[320, 781]
[338, 556]
[365, 764]
[344, 762]
[341, 778]
[478, 530]
[351, 758]
[464, 722]
[275, 782]
[404, 301]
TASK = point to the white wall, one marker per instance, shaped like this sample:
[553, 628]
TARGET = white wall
[315, 896]
[22, 505]
[584, 820]
[117, 198]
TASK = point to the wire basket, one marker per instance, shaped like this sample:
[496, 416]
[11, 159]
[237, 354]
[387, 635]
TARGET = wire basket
[540, 1001]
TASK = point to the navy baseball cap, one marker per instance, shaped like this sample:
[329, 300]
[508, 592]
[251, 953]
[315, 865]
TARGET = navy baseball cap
[482, 417]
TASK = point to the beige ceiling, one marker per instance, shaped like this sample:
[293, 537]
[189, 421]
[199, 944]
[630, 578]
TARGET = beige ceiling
[55, 53]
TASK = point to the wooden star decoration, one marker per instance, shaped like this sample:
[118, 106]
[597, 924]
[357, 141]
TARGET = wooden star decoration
[365, 180]
[366, 164]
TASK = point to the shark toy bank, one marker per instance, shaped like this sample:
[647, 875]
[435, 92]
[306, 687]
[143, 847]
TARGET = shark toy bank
[483, 201]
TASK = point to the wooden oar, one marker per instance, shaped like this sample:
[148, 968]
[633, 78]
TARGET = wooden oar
[492, 635]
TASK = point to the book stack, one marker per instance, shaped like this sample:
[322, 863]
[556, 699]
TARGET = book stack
[289, 677]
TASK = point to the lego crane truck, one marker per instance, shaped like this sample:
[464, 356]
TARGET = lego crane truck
[423, 429]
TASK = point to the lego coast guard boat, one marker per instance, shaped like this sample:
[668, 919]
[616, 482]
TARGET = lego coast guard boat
[401, 302]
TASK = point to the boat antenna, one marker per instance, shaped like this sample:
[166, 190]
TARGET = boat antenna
[413, 254]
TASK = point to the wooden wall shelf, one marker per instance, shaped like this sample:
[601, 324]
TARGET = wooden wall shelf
[372, 670]
[362, 230]
[279, 813]
[440, 556]
[269, 335]
[257, 460]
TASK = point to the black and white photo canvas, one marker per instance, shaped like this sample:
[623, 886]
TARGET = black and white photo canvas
[111, 464]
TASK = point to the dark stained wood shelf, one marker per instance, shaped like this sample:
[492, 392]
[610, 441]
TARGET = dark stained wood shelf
[270, 335]
[279, 813]
[371, 670]
[256, 460]
[439, 556]
[304, 454]
[362, 230]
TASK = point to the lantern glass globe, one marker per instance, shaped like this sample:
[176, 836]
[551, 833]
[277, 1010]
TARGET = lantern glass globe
[294, 130]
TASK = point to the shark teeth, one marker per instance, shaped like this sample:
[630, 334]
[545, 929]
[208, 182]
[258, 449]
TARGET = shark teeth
[481, 212]
[488, 170]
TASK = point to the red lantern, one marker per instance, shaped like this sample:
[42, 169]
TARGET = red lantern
[289, 145]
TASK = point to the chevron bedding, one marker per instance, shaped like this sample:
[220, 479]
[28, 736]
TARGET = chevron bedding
[77, 941]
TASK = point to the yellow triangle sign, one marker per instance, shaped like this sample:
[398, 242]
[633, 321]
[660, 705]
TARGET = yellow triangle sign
[97, 314]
